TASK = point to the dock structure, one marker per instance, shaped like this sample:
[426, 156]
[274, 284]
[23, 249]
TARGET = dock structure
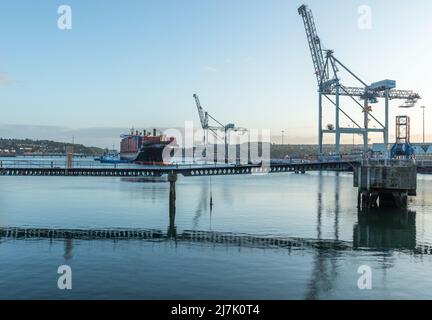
[385, 184]
[185, 170]
[380, 183]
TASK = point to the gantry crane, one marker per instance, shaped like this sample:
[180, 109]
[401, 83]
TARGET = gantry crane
[326, 70]
[204, 119]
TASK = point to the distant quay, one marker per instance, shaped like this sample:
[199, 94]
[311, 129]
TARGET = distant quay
[34, 148]
[14, 155]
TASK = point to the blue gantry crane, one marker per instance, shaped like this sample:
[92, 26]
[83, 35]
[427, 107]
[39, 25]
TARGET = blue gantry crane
[327, 68]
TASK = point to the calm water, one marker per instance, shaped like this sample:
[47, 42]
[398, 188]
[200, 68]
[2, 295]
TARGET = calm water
[315, 212]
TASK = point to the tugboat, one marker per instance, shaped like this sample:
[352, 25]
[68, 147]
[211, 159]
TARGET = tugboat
[145, 148]
[111, 157]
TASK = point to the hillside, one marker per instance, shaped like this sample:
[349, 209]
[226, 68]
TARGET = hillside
[12, 147]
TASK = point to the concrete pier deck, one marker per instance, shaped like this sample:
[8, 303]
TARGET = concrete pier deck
[385, 183]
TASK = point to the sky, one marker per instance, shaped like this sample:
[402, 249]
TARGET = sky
[137, 63]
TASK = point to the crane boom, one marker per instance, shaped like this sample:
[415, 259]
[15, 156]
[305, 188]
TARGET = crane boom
[202, 114]
[314, 43]
[205, 117]
[214, 129]
[369, 93]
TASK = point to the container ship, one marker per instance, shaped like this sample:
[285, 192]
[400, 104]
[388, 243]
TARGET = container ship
[144, 147]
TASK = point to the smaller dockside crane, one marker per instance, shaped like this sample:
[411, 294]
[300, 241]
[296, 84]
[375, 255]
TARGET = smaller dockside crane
[205, 118]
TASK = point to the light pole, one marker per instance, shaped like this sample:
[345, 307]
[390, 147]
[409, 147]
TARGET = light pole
[423, 107]
[349, 126]
[283, 137]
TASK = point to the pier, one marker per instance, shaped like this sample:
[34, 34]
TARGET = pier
[44, 169]
[385, 184]
[380, 183]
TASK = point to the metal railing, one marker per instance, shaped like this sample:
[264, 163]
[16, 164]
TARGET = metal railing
[60, 163]
[93, 164]
[425, 163]
[388, 162]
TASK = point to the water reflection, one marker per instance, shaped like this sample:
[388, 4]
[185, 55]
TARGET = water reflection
[325, 264]
[68, 248]
[379, 230]
[337, 205]
[384, 230]
[192, 236]
[337, 234]
[319, 204]
[202, 203]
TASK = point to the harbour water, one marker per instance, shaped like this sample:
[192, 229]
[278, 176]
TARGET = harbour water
[323, 239]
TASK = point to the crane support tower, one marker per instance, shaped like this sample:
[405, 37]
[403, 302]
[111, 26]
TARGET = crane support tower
[402, 148]
[330, 88]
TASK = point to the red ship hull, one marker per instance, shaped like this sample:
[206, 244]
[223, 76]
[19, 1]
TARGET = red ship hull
[142, 148]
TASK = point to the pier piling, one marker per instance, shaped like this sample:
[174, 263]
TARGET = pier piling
[387, 184]
[172, 178]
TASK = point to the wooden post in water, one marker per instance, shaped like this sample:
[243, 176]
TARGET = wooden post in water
[172, 178]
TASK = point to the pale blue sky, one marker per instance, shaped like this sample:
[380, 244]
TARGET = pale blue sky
[137, 63]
